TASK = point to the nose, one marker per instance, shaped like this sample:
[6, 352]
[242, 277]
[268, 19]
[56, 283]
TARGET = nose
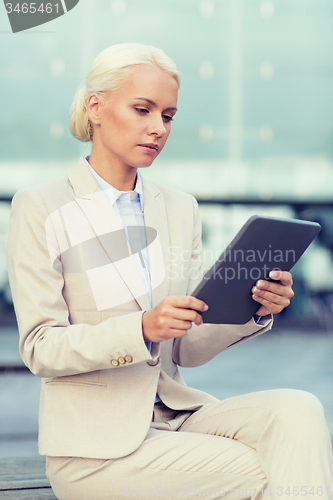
[157, 126]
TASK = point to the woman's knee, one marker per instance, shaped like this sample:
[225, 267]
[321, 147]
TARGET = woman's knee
[298, 404]
[72, 478]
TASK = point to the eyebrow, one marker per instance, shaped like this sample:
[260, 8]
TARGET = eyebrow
[153, 103]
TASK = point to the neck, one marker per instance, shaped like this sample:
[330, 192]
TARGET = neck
[120, 176]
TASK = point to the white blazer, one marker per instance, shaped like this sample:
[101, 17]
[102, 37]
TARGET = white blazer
[79, 313]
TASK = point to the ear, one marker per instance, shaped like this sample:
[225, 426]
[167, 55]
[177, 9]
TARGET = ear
[94, 103]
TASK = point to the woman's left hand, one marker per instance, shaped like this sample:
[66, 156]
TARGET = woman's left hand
[273, 296]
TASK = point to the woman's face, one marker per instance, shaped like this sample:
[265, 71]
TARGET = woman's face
[132, 123]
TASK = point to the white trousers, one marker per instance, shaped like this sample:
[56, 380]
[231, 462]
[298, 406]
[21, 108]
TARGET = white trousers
[270, 444]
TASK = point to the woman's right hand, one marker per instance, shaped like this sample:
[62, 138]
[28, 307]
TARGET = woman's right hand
[171, 318]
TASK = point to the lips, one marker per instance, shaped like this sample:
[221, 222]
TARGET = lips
[149, 148]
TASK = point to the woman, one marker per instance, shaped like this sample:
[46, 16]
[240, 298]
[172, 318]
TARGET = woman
[105, 318]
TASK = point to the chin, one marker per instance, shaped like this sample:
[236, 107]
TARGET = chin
[145, 165]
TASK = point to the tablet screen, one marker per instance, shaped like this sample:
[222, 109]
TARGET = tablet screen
[262, 245]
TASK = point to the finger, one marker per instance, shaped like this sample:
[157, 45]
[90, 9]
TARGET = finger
[187, 315]
[182, 325]
[198, 321]
[276, 298]
[281, 288]
[270, 307]
[284, 277]
[168, 311]
[188, 302]
[274, 288]
[274, 306]
[176, 317]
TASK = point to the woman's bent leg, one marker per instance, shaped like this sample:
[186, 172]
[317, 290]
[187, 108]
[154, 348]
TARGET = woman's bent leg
[226, 449]
[287, 428]
[167, 465]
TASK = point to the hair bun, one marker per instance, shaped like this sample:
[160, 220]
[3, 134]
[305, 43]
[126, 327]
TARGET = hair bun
[80, 125]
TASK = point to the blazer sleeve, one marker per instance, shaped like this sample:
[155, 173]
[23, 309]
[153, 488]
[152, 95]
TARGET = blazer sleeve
[204, 342]
[49, 345]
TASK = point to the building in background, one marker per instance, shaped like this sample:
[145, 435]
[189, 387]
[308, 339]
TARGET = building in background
[255, 116]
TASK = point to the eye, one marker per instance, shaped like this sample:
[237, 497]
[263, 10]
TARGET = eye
[167, 118]
[142, 111]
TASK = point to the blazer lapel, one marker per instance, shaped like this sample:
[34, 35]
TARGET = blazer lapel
[156, 218]
[104, 221]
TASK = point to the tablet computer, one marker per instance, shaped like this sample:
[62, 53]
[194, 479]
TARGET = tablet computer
[262, 245]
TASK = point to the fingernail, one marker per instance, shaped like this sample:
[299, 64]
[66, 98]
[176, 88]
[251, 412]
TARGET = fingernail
[206, 308]
[273, 274]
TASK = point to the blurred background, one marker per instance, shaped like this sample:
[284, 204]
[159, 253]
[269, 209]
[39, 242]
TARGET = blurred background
[253, 135]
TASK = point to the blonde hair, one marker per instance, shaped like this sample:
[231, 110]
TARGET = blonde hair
[107, 72]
